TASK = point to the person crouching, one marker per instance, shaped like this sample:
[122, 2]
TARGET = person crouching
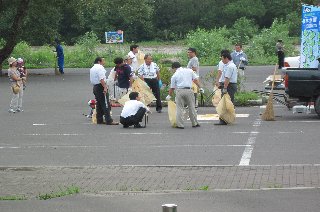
[133, 111]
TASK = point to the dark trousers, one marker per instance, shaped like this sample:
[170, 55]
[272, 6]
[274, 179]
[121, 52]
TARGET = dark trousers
[280, 59]
[135, 119]
[102, 105]
[231, 89]
[154, 85]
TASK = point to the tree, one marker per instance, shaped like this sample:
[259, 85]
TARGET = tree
[16, 27]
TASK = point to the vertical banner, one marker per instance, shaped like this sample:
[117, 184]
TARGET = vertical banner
[310, 39]
[114, 37]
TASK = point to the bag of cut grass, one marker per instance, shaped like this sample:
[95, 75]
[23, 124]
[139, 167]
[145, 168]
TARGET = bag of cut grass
[225, 109]
[172, 111]
[216, 96]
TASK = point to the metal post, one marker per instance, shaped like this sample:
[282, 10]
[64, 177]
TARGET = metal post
[169, 208]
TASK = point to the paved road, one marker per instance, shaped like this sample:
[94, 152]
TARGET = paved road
[52, 145]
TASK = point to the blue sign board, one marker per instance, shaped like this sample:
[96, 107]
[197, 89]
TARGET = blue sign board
[114, 37]
[310, 38]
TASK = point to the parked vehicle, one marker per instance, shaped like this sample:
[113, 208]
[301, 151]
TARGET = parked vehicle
[292, 62]
[302, 85]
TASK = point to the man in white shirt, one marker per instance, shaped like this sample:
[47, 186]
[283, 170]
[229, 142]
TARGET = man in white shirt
[181, 82]
[100, 91]
[194, 65]
[229, 79]
[220, 69]
[133, 111]
[134, 49]
[150, 73]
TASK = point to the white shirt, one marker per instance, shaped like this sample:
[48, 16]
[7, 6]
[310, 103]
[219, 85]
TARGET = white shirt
[221, 66]
[149, 71]
[183, 78]
[131, 107]
[97, 73]
[135, 64]
[230, 71]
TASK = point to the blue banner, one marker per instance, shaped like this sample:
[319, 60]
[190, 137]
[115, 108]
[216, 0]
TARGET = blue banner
[310, 36]
[114, 37]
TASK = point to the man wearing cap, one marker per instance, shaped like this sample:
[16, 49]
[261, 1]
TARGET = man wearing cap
[181, 82]
[100, 91]
[16, 80]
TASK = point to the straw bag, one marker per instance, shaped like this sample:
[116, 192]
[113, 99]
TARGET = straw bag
[15, 88]
[172, 112]
[226, 110]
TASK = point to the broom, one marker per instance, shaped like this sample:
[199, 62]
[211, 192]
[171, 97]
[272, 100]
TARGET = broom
[268, 114]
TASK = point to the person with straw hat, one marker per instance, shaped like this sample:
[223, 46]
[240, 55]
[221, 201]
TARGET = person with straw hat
[16, 85]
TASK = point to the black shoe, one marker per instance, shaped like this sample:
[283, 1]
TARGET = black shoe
[220, 123]
[139, 126]
[125, 126]
[179, 127]
[159, 111]
[198, 125]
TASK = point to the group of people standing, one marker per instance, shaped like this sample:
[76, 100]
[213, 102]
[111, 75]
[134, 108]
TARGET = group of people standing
[126, 70]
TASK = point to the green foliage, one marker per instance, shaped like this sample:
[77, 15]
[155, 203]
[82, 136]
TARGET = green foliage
[209, 43]
[242, 98]
[166, 74]
[261, 49]
[68, 191]
[243, 30]
[5, 198]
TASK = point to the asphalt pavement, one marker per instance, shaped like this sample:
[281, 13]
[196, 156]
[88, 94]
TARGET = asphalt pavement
[252, 165]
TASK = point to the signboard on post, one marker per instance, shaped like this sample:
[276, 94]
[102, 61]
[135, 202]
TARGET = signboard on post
[310, 38]
[114, 37]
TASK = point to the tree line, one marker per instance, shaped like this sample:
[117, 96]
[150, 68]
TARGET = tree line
[39, 22]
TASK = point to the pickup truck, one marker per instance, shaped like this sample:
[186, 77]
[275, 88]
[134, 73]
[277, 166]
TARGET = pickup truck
[303, 85]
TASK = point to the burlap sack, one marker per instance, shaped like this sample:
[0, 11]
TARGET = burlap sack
[216, 96]
[172, 112]
[225, 109]
[15, 88]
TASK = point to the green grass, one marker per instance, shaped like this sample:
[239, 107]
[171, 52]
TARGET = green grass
[68, 191]
[241, 98]
[17, 197]
[204, 188]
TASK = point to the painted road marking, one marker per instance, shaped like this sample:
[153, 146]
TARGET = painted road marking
[139, 147]
[214, 117]
[247, 153]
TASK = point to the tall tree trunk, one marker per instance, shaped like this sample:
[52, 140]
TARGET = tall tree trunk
[11, 40]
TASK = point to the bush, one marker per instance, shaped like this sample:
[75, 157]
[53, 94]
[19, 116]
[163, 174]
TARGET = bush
[242, 98]
[209, 43]
[243, 30]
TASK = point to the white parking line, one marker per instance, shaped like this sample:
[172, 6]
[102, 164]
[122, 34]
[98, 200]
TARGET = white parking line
[139, 147]
[247, 153]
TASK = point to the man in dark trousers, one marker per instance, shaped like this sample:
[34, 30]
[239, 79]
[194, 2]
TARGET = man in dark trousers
[123, 76]
[280, 53]
[60, 56]
[228, 79]
[100, 91]
[133, 111]
[150, 73]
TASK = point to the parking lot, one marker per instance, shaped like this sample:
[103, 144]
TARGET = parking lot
[52, 144]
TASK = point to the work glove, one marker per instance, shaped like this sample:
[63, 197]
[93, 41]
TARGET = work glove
[130, 89]
[242, 58]
[224, 91]
[168, 97]
[201, 90]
